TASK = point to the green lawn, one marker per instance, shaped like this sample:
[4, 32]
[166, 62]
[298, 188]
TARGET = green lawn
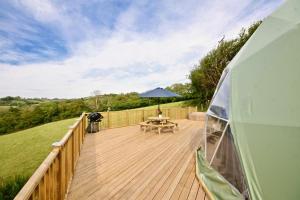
[4, 108]
[22, 152]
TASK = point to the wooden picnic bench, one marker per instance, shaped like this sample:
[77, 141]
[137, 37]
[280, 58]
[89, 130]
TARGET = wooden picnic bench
[162, 126]
[175, 123]
[148, 126]
[144, 126]
[158, 123]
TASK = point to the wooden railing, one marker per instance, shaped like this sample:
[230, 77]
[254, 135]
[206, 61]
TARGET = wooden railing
[53, 177]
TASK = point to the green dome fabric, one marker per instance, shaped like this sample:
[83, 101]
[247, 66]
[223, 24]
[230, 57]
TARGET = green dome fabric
[264, 111]
[258, 99]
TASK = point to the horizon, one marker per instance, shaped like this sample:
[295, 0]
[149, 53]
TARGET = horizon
[90, 95]
[52, 49]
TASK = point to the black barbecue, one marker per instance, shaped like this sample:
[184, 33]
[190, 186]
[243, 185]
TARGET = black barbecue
[94, 121]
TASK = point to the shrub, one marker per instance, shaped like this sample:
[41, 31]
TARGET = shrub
[10, 187]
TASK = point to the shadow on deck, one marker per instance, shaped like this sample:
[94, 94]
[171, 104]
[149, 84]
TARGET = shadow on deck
[125, 163]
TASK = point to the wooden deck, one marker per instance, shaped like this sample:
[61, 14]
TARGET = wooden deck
[125, 163]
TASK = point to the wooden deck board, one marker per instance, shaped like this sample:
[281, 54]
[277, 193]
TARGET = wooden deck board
[179, 186]
[142, 181]
[194, 190]
[126, 163]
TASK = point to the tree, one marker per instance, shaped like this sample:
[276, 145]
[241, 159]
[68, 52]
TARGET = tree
[97, 95]
[183, 89]
[205, 76]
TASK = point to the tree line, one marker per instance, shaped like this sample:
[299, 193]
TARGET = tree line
[27, 115]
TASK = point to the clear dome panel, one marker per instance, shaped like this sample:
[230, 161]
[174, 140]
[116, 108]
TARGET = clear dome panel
[220, 103]
[214, 130]
[227, 163]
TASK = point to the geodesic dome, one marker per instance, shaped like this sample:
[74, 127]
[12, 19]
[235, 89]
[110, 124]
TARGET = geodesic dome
[252, 134]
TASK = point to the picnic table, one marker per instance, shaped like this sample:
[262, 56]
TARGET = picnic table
[158, 123]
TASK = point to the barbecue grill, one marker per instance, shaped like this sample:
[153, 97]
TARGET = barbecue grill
[94, 122]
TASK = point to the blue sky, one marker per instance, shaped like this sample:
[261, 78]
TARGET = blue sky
[70, 48]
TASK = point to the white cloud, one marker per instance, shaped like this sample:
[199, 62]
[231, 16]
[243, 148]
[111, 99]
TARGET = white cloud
[43, 10]
[174, 47]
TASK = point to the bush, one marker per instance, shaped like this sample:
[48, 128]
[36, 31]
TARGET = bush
[10, 187]
[20, 118]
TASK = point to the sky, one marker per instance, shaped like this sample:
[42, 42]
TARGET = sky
[69, 48]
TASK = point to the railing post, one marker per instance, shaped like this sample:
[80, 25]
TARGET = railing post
[127, 117]
[188, 110]
[83, 127]
[58, 191]
[143, 115]
[72, 138]
[108, 126]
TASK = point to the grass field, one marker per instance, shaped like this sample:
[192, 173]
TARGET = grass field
[4, 108]
[22, 152]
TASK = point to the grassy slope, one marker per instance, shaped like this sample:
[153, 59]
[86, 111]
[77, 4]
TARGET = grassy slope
[22, 152]
[4, 108]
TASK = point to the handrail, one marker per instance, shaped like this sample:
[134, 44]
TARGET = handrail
[26, 191]
[53, 177]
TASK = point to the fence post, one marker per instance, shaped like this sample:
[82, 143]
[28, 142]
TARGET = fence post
[127, 117]
[108, 119]
[58, 171]
[83, 126]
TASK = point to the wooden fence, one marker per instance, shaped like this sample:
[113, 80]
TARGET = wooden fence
[123, 118]
[53, 177]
